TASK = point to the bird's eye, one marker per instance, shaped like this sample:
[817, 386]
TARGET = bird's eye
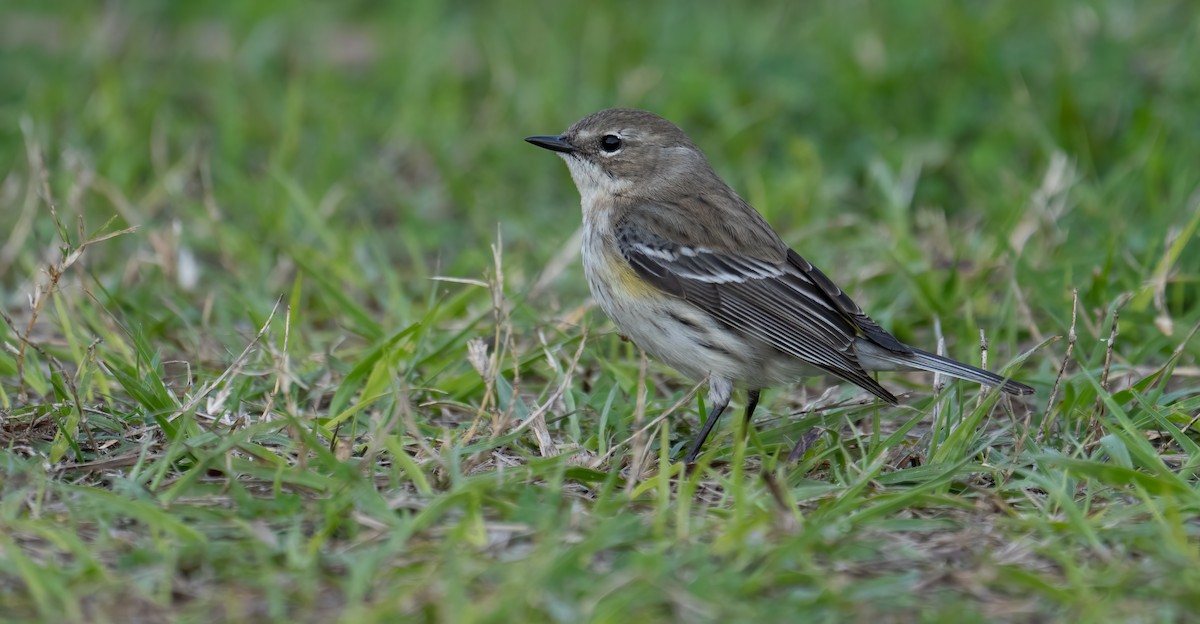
[610, 143]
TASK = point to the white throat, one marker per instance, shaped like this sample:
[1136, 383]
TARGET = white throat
[595, 186]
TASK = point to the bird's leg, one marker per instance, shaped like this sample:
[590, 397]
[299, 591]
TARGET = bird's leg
[719, 393]
[751, 403]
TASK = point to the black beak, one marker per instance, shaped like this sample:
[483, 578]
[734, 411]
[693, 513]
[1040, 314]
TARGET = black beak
[552, 143]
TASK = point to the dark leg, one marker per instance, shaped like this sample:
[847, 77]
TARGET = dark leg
[751, 403]
[719, 392]
[713, 416]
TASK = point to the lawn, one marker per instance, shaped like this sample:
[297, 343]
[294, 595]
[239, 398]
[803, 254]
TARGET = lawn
[294, 326]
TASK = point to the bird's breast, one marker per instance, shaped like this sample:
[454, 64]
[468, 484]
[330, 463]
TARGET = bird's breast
[609, 274]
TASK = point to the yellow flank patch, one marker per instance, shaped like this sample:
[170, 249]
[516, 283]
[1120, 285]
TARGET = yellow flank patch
[626, 279]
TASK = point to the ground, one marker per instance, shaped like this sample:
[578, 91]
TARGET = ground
[295, 329]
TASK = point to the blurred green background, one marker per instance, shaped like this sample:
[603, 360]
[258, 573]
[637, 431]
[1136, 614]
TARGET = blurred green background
[384, 139]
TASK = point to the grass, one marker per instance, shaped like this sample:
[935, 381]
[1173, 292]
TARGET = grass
[294, 328]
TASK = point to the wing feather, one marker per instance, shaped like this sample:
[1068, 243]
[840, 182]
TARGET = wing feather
[789, 304]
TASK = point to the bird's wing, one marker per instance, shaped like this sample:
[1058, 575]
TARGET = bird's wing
[788, 303]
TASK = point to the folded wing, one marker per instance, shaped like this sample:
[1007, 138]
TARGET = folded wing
[788, 303]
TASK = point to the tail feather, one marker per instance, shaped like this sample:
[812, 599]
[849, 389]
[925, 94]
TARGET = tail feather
[874, 357]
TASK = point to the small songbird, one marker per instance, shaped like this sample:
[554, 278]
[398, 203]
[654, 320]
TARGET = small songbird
[697, 278]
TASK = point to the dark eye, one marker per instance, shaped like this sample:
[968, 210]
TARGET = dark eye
[610, 143]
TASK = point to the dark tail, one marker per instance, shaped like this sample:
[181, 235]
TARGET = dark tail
[874, 357]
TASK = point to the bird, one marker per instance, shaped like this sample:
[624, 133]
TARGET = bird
[697, 278]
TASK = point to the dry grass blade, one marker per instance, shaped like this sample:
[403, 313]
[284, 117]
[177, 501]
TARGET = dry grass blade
[55, 270]
[983, 363]
[537, 419]
[230, 371]
[1113, 330]
[684, 400]
[1048, 419]
[641, 442]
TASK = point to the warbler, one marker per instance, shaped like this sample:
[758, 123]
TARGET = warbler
[695, 276]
